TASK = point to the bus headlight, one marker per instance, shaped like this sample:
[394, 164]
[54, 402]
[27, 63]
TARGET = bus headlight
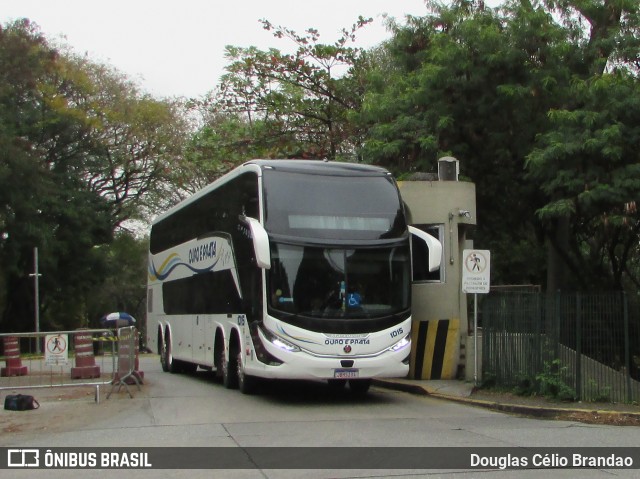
[403, 343]
[278, 342]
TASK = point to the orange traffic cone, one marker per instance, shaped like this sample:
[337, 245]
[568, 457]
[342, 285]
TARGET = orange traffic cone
[85, 361]
[12, 357]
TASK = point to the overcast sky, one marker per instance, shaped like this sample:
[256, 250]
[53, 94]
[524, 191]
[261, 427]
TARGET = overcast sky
[176, 48]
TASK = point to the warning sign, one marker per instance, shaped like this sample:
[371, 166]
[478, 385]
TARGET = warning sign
[56, 352]
[476, 271]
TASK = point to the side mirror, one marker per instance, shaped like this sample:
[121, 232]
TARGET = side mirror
[435, 247]
[260, 242]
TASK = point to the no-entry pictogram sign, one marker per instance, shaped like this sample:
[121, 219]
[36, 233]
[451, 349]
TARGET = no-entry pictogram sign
[476, 271]
[56, 351]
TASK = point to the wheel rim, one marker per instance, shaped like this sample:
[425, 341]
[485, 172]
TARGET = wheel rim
[162, 350]
[225, 366]
[168, 360]
[163, 359]
[220, 362]
[240, 369]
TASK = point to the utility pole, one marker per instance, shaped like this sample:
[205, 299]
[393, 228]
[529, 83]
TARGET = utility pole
[36, 275]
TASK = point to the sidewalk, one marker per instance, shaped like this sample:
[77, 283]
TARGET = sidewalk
[450, 389]
[533, 406]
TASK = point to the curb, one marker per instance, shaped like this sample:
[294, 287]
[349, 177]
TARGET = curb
[398, 386]
[519, 409]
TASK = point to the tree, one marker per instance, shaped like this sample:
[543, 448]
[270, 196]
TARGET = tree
[83, 152]
[474, 83]
[135, 140]
[607, 32]
[123, 284]
[515, 87]
[224, 142]
[43, 201]
[589, 166]
[301, 100]
[610, 42]
[591, 235]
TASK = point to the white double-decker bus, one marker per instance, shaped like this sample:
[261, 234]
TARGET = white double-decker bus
[286, 269]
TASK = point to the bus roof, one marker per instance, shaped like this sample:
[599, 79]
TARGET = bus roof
[318, 167]
[323, 167]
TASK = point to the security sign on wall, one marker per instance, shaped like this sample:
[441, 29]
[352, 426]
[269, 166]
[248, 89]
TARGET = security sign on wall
[476, 271]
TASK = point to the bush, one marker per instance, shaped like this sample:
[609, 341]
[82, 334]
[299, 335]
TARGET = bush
[551, 383]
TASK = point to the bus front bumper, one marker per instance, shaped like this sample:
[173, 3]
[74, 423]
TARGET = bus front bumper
[302, 365]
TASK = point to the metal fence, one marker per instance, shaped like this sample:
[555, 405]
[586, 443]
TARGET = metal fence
[585, 346]
[125, 372]
[87, 357]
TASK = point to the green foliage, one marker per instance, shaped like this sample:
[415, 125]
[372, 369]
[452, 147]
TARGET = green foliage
[601, 394]
[538, 99]
[135, 139]
[588, 166]
[42, 201]
[488, 380]
[81, 151]
[521, 96]
[475, 84]
[122, 285]
[295, 105]
[525, 386]
[551, 382]
[224, 142]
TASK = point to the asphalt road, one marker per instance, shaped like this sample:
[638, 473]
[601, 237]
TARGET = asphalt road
[177, 410]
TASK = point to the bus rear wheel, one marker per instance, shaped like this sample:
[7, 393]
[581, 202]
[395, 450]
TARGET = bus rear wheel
[163, 353]
[219, 362]
[230, 370]
[171, 364]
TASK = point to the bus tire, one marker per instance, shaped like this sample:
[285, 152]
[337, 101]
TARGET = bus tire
[246, 383]
[219, 357]
[230, 370]
[163, 353]
[173, 366]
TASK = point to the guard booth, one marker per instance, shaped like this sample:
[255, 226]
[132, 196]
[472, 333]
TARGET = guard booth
[446, 208]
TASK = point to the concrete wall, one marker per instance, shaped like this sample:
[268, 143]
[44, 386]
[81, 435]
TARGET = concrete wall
[453, 205]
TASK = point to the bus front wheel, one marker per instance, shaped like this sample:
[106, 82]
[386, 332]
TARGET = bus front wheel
[246, 383]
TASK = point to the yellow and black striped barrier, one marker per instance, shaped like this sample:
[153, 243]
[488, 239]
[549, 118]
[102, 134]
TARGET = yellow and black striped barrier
[435, 349]
[106, 338]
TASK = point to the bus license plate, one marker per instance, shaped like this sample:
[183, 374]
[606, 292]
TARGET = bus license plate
[345, 373]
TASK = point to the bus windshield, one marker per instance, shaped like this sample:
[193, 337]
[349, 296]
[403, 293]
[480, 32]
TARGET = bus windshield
[326, 207]
[317, 282]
